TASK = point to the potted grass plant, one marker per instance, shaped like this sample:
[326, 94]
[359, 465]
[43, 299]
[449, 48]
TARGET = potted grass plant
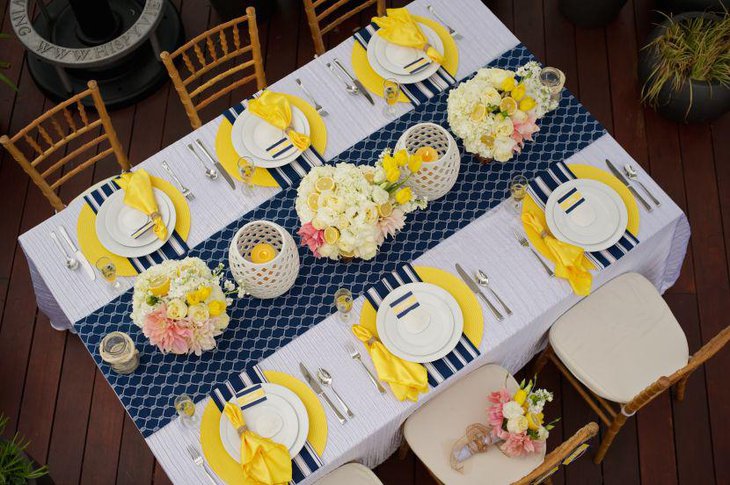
[685, 67]
[17, 468]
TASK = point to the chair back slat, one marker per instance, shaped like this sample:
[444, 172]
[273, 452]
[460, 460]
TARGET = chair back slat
[36, 130]
[194, 91]
[322, 18]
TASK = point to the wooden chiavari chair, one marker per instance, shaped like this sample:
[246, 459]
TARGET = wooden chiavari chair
[319, 10]
[53, 130]
[211, 50]
[603, 308]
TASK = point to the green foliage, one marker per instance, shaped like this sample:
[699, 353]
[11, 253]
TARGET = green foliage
[694, 48]
[5, 79]
[15, 468]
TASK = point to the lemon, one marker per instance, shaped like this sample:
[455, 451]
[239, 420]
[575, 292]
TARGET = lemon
[371, 216]
[527, 103]
[347, 254]
[385, 209]
[331, 235]
[161, 288]
[325, 183]
[508, 105]
[488, 140]
[478, 113]
[263, 253]
[427, 154]
[313, 201]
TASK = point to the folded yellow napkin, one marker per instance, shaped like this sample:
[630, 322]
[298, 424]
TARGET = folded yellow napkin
[275, 109]
[262, 460]
[138, 194]
[570, 262]
[406, 379]
[400, 28]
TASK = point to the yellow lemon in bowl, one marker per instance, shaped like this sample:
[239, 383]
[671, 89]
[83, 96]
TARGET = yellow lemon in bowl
[427, 154]
[325, 183]
[160, 287]
[263, 253]
[385, 209]
[508, 105]
[331, 235]
[478, 113]
[313, 201]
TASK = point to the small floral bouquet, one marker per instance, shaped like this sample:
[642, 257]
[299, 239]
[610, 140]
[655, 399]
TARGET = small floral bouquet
[348, 210]
[497, 110]
[181, 306]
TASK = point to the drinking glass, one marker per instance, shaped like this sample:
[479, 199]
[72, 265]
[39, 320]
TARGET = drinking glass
[518, 190]
[108, 270]
[185, 408]
[117, 349]
[554, 79]
[391, 92]
[343, 303]
[246, 169]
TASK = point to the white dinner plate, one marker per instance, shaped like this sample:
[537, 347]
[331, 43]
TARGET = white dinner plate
[388, 59]
[121, 220]
[425, 342]
[605, 228]
[114, 246]
[251, 136]
[282, 418]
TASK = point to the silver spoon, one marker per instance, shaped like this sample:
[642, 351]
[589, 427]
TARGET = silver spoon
[71, 263]
[326, 380]
[211, 173]
[483, 280]
[634, 176]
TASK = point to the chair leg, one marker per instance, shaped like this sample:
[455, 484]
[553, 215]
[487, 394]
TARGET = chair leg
[403, 449]
[611, 433]
[542, 360]
[681, 389]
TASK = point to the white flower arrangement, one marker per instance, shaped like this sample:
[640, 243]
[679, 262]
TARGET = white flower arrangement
[348, 210]
[496, 111]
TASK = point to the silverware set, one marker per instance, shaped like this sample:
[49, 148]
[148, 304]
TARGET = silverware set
[322, 112]
[453, 33]
[197, 458]
[187, 193]
[475, 288]
[526, 244]
[316, 386]
[355, 355]
[629, 175]
[76, 258]
[217, 169]
[633, 175]
[352, 85]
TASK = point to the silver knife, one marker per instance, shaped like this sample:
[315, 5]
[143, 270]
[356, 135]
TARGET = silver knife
[217, 164]
[619, 175]
[78, 254]
[357, 83]
[475, 288]
[320, 392]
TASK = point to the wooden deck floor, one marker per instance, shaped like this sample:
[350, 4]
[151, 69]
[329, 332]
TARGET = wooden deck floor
[53, 394]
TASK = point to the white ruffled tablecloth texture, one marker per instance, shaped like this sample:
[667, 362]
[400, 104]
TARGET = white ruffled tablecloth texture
[488, 243]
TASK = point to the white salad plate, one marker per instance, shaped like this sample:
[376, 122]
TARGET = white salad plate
[388, 60]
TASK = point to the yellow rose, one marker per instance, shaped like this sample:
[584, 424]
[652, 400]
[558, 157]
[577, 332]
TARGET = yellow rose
[508, 84]
[216, 307]
[401, 158]
[519, 92]
[392, 172]
[176, 309]
[198, 313]
[204, 292]
[414, 163]
[527, 103]
[404, 195]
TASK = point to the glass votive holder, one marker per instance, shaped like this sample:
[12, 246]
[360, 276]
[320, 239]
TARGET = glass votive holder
[117, 349]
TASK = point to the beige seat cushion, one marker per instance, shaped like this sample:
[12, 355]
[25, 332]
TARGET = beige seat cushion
[350, 474]
[432, 430]
[620, 339]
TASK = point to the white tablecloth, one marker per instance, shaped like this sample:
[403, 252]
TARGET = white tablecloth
[485, 243]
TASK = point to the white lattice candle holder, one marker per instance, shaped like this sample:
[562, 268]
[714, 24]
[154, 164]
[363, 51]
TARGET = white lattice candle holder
[436, 178]
[272, 278]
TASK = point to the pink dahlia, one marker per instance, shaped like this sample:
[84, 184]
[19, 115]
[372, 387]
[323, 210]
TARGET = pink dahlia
[391, 225]
[311, 237]
[518, 444]
[203, 336]
[167, 334]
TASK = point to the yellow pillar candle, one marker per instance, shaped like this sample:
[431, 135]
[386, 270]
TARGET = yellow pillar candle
[263, 253]
[428, 154]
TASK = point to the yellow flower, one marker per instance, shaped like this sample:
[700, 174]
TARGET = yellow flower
[176, 309]
[401, 158]
[508, 84]
[519, 92]
[520, 397]
[216, 307]
[534, 421]
[527, 103]
[201, 294]
[204, 292]
[198, 313]
[404, 195]
[414, 163]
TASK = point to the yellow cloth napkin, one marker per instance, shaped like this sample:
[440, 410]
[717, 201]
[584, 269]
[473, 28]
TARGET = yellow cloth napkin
[138, 195]
[262, 460]
[400, 28]
[275, 109]
[570, 262]
[406, 379]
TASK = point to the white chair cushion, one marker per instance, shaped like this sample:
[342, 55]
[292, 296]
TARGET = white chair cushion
[620, 339]
[432, 430]
[350, 474]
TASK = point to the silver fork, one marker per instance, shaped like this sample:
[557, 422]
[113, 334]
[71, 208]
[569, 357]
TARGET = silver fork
[185, 191]
[526, 244]
[322, 112]
[198, 460]
[453, 33]
[355, 355]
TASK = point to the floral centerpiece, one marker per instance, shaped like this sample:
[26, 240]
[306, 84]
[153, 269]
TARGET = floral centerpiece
[181, 306]
[348, 210]
[497, 110]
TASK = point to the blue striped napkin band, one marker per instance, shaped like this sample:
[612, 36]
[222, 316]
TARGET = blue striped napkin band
[557, 174]
[174, 248]
[571, 200]
[291, 173]
[405, 304]
[438, 370]
[249, 381]
[419, 92]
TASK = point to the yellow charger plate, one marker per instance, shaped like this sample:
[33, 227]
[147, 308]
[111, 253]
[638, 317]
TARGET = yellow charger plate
[210, 439]
[592, 173]
[473, 318]
[228, 156]
[93, 249]
[374, 82]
